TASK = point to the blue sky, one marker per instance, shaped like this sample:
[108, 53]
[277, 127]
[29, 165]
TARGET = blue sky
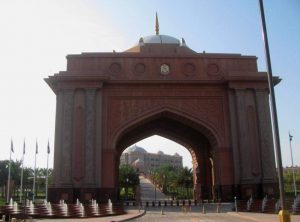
[36, 35]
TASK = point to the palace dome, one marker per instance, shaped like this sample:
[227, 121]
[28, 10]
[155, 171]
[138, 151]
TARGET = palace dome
[176, 154]
[159, 39]
[137, 149]
[162, 44]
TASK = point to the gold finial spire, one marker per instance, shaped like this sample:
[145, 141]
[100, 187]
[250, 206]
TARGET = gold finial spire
[156, 25]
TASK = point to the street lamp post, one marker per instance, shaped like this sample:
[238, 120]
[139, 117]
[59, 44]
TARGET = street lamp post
[154, 186]
[155, 190]
[127, 188]
[284, 215]
[164, 183]
[293, 169]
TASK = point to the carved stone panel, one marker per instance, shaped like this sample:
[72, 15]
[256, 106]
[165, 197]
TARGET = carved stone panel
[122, 110]
[249, 138]
[78, 138]
[267, 154]
[243, 136]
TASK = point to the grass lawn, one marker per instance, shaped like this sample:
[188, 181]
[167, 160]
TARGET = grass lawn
[2, 201]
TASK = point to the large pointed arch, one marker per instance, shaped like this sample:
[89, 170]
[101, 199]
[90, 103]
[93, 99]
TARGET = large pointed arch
[171, 114]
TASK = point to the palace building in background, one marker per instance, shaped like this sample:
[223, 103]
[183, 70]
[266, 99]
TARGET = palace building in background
[144, 162]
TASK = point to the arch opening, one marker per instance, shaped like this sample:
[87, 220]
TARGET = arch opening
[184, 132]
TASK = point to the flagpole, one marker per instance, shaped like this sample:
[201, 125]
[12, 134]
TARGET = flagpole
[294, 179]
[48, 151]
[33, 188]
[21, 188]
[9, 166]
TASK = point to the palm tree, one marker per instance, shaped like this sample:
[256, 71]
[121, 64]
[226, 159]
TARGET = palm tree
[185, 179]
[128, 178]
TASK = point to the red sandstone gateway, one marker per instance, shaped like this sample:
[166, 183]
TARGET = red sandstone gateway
[216, 105]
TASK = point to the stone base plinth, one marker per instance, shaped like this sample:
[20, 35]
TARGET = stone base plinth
[70, 195]
[259, 191]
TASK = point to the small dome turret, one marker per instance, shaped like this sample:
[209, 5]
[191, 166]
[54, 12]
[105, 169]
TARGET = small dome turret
[136, 148]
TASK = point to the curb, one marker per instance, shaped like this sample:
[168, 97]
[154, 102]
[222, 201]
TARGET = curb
[134, 217]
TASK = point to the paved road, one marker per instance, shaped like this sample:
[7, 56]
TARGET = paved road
[148, 191]
[156, 216]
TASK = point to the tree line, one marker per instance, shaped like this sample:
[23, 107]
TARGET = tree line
[289, 182]
[28, 175]
[173, 181]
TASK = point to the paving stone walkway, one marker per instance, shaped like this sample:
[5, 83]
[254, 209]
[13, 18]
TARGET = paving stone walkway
[148, 191]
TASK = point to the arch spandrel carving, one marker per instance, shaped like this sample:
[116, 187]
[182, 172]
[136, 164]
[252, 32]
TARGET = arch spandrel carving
[205, 128]
[203, 112]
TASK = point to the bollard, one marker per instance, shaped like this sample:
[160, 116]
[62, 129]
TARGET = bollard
[284, 216]
[218, 207]
[162, 211]
[13, 219]
[235, 204]
[203, 208]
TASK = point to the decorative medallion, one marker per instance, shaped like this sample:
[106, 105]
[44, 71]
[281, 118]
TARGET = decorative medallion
[115, 68]
[189, 69]
[164, 69]
[139, 68]
[213, 69]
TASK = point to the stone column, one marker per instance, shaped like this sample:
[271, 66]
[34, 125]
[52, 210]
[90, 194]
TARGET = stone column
[58, 138]
[65, 161]
[234, 135]
[224, 168]
[109, 171]
[90, 138]
[98, 135]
